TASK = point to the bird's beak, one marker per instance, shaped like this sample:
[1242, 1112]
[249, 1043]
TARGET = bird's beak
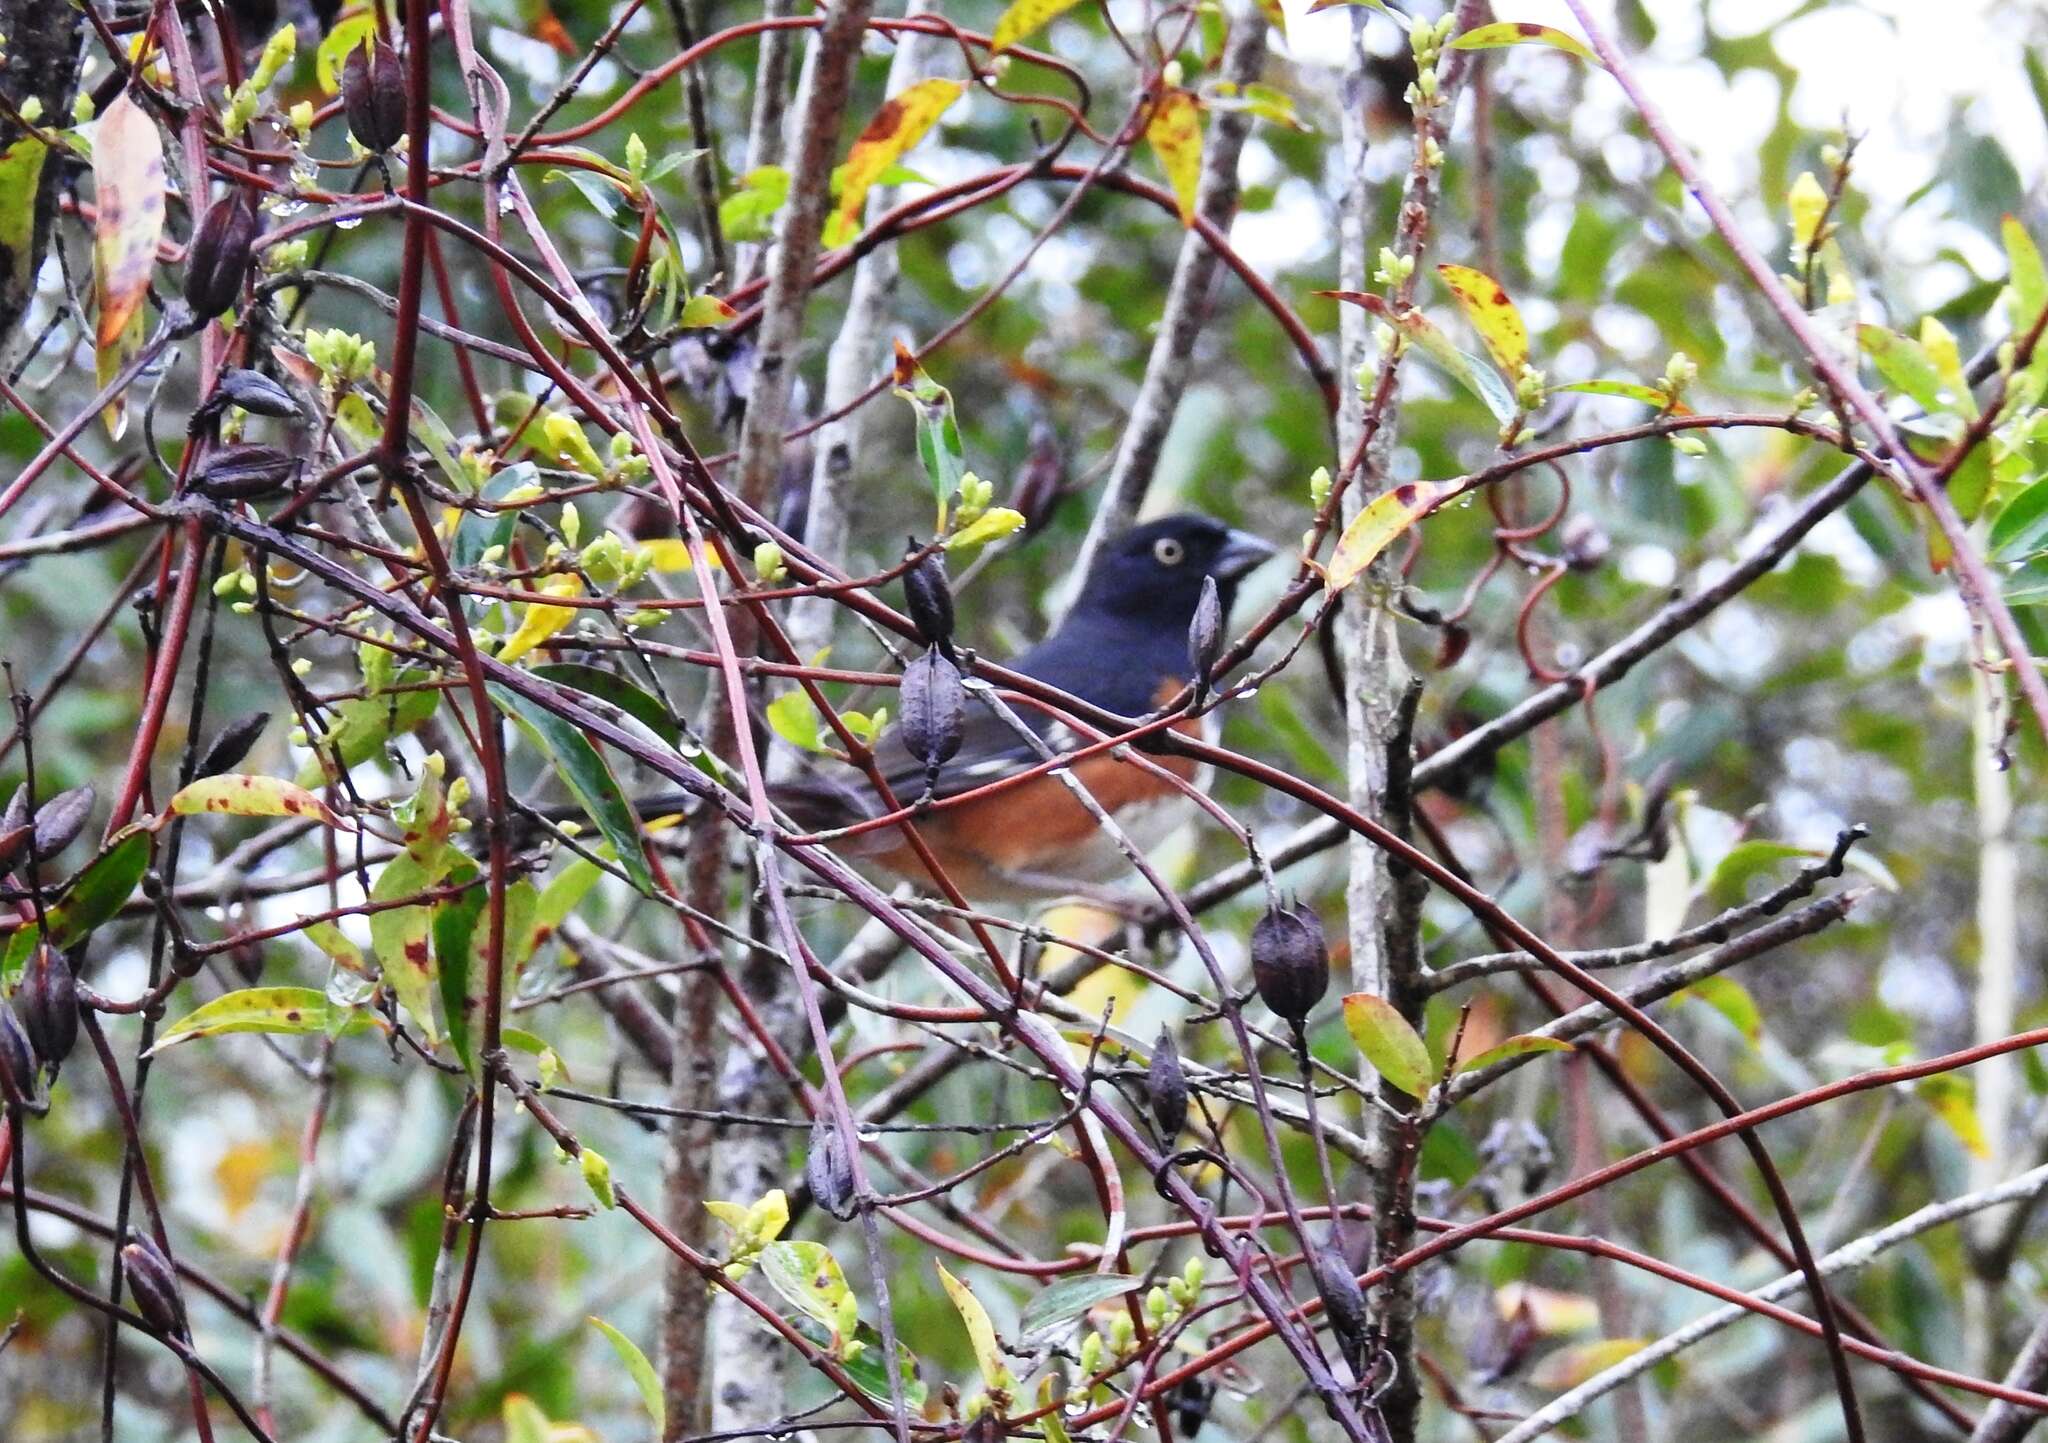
[1241, 552]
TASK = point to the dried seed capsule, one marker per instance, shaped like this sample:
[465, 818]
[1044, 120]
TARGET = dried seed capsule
[1343, 1305]
[1205, 635]
[48, 1003]
[245, 472]
[15, 830]
[155, 1285]
[1166, 1087]
[231, 744]
[17, 1058]
[1290, 960]
[253, 391]
[1191, 1401]
[220, 254]
[373, 96]
[1042, 481]
[829, 1171]
[934, 710]
[61, 819]
[985, 1427]
[929, 598]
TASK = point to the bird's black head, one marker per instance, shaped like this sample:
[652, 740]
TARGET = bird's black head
[1155, 571]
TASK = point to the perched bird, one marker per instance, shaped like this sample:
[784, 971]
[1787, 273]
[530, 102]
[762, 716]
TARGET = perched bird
[1123, 647]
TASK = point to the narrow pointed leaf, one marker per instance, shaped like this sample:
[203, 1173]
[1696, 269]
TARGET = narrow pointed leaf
[900, 124]
[1514, 32]
[583, 768]
[1174, 132]
[1068, 1299]
[1373, 529]
[1389, 1043]
[1521, 1046]
[1492, 314]
[282, 1010]
[981, 1333]
[236, 794]
[642, 1373]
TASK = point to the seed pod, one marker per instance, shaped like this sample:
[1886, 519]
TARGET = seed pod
[373, 96]
[220, 254]
[986, 1427]
[829, 1171]
[17, 1058]
[231, 744]
[1042, 481]
[1290, 960]
[1205, 635]
[253, 391]
[245, 472]
[15, 830]
[61, 819]
[929, 598]
[1343, 1305]
[934, 710]
[1191, 1400]
[1166, 1087]
[48, 1003]
[155, 1285]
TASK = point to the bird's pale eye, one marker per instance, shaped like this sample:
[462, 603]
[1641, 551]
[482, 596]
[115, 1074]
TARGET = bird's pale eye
[1168, 552]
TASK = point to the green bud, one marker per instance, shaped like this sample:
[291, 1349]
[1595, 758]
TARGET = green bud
[768, 563]
[1319, 487]
[1091, 1355]
[1689, 445]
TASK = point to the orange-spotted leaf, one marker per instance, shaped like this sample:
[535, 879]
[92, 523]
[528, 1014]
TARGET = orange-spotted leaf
[128, 196]
[1513, 32]
[233, 794]
[1373, 529]
[280, 1010]
[900, 124]
[1492, 314]
[1389, 1043]
[1175, 135]
[1022, 18]
[705, 309]
[1416, 328]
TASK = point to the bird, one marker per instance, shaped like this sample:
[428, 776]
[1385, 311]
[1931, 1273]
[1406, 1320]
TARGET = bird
[1123, 647]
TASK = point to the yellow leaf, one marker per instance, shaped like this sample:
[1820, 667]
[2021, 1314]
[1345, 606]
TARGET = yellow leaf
[1569, 1367]
[1275, 16]
[900, 124]
[348, 34]
[1023, 17]
[236, 795]
[128, 196]
[1954, 1100]
[1492, 314]
[981, 1333]
[1374, 528]
[541, 621]
[1513, 32]
[1551, 1312]
[1808, 204]
[1175, 135]
[703, 310]
[672, 553]
[241, 1172]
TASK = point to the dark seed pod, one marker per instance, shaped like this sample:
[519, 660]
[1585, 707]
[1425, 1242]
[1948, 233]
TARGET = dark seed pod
[155, 1285]
[1343, 1305]
[373, 96]
[929, 598]
[934, 710]
[48, 1003]
[1042, 481]
[61, 819]
[1290, 960]
[1191, 1400]
[829, 1171]
[15, 830]
[1166, 1087]
[245, 472]
[231, 744]
[253, 391]
[987, 1427]
[220, 254]
[1205, 634]
[17, 1058]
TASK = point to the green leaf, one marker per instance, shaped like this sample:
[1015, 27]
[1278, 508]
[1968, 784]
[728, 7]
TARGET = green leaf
[809, 1276]
[2029, 585]
[283, 1010]
[1729, 884]
[792, 717]
[402, 936]
[608, 686]
[642, 1373]
[1629, 390]
[703, 310]
[938, 434]
[1068, 1299]
[1520, 1046]
[21, 176]
[2027, 279]
[356, 30]
[597, 1176]
[1389, 1043]
[992, 525]
[588, 776]
[865, 1367]
[2021, 527]
[454, 929]
[745, 214]
[1904, 364]
[362, 726]
[100, 888]
[1732, 1000]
